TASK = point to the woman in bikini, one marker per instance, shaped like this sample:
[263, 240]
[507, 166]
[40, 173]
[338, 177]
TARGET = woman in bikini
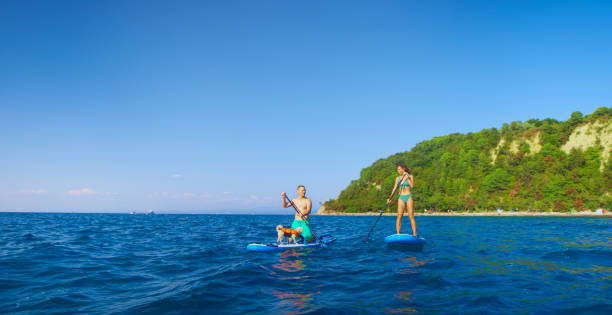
[405, 181]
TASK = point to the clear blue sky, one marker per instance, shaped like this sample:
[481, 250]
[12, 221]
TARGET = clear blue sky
[202, 105]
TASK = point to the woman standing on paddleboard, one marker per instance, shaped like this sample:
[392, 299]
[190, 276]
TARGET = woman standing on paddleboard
[301, 219]
[405, 181]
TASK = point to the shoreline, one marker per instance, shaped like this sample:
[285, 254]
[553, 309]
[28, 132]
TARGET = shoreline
[475, 214]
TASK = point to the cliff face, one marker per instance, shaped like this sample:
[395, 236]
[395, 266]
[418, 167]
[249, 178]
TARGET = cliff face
[321, 211]
[591, 135]
[534, 165]
[530, 139]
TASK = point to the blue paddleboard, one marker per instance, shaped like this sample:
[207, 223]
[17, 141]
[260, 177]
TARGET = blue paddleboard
[404, 239]
[273, 247]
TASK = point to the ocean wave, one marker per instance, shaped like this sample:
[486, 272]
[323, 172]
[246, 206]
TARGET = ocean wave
[86, 263]
[596, 257]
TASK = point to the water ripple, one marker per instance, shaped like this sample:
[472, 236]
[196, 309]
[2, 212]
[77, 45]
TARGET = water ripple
[182, 264]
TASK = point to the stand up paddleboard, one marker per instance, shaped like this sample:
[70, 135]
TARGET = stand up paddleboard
[406, 239]
[273, 247]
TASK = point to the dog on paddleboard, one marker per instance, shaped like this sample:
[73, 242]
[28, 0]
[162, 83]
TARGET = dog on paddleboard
[290, 234]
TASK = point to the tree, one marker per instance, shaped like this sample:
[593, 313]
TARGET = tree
[457, 171]
[498, 180]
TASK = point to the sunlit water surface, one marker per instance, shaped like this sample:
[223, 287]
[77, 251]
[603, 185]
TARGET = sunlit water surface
[115, 263]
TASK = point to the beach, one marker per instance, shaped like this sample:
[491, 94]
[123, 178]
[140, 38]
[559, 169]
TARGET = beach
[477, 214]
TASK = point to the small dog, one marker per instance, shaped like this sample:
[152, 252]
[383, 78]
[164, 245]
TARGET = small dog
[290, 234]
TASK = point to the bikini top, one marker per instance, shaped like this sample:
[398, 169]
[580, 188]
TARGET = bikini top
[406, 183]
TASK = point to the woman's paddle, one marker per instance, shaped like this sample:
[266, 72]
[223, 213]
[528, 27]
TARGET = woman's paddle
[382, 211]
[302, 216]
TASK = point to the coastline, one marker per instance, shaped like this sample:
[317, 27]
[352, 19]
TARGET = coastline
[476, 214]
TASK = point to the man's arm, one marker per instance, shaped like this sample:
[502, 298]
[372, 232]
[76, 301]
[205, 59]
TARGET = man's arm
[285, 204]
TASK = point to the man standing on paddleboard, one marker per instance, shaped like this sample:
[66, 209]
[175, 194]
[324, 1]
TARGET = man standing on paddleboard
[304, 205]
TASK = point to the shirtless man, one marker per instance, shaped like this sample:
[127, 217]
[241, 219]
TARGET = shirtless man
[304, 205]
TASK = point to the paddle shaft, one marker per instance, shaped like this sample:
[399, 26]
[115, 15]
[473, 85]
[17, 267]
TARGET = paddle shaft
[302, 216]
[382, 211]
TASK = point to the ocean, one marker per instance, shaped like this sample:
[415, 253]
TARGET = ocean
[183, 264]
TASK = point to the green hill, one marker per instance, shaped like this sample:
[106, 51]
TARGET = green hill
[540, 165]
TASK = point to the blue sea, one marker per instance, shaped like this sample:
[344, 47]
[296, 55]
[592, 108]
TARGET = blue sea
[182, 264]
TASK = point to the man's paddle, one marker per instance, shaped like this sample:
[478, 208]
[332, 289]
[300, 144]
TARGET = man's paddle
[382, 211]
[302, 216]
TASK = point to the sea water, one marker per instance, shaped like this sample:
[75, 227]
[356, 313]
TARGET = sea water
[116, 263]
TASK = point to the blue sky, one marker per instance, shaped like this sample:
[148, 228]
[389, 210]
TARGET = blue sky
[200, 105]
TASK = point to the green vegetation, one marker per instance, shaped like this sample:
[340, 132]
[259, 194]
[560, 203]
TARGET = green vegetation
[522, 166]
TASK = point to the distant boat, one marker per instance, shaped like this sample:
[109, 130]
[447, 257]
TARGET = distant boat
[150, 212]
[132, 212]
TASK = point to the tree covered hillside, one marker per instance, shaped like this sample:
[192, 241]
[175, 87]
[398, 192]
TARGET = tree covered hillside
[539, 165]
